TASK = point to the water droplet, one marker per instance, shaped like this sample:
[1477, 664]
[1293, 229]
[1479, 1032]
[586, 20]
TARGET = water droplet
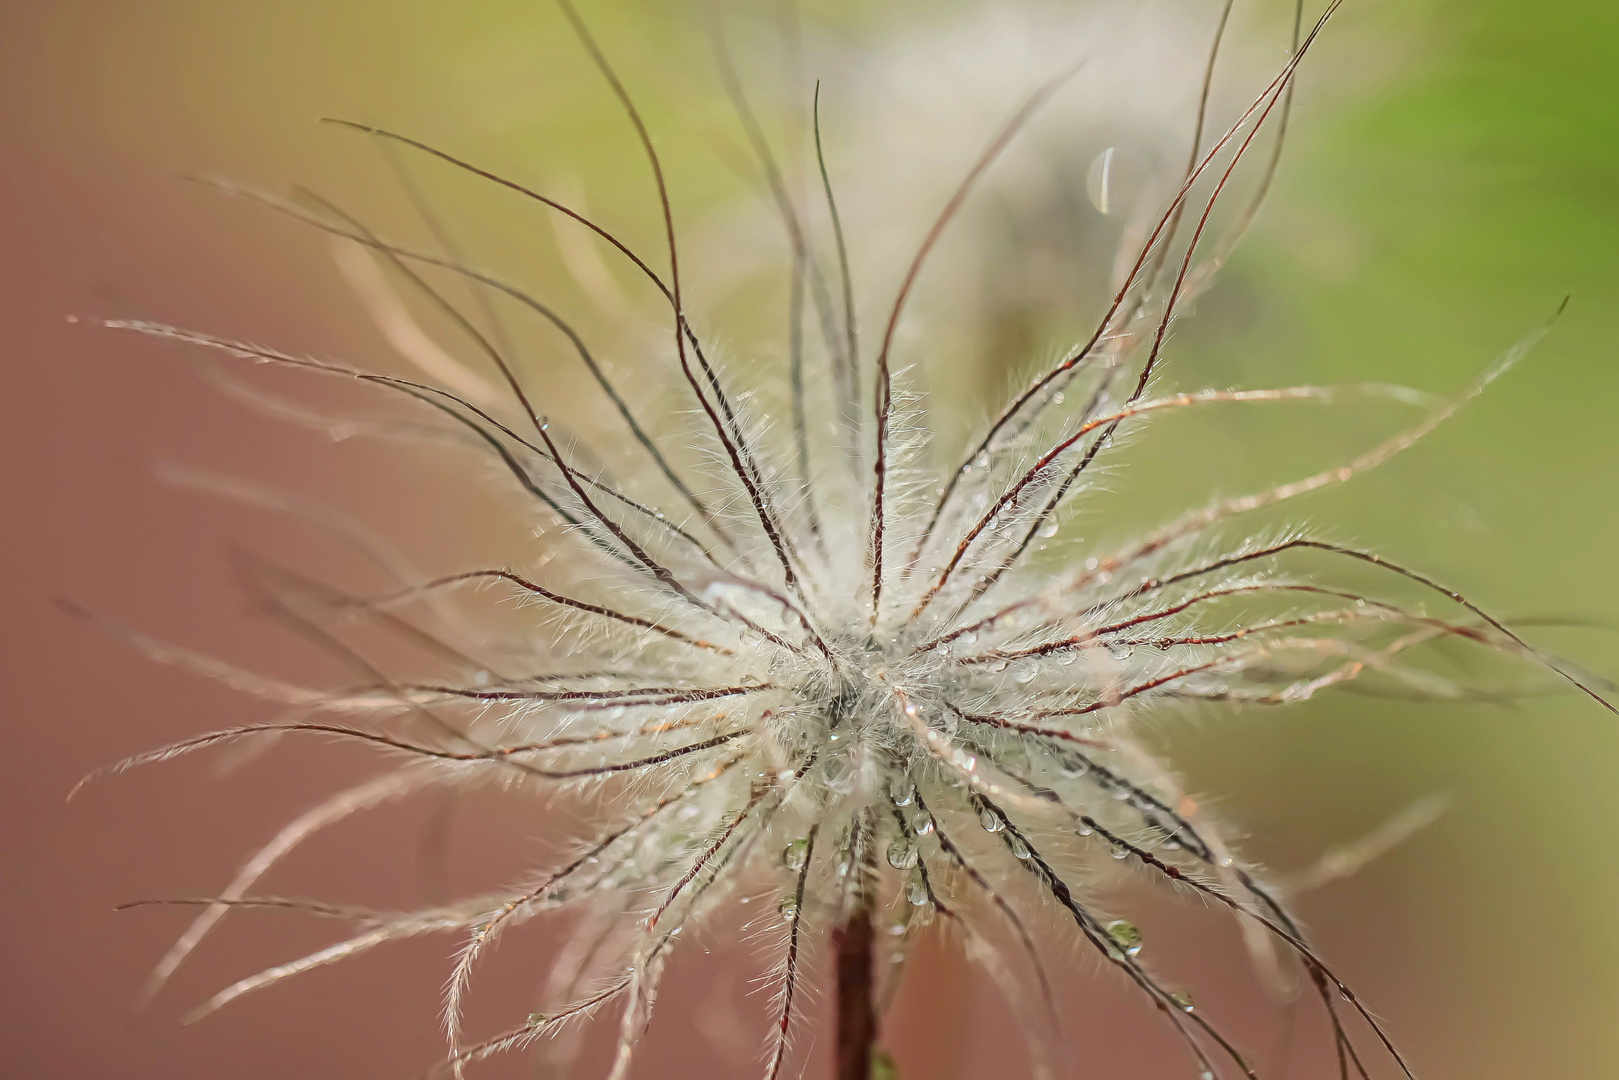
[902, 791]
[1099, 181]
[535, 1019]
[1126, 935]
[944, 650]
[1025, 674]
[901, 854]
[1119, 852]
[922, 822]
[1019, 848]
[1183, 998]
[1058, 398]
[982, 460]
[1050, 528]
[794, 854]
[788, 908]
[1072, 767]
[1085, 828]
[990, 820]
[968, 639]
[999, 665]
[1119, 650]
[916, 890]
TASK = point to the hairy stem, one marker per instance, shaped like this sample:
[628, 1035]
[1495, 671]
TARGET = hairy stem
[854, 943]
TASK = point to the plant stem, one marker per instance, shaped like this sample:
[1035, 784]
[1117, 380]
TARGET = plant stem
[854, 943]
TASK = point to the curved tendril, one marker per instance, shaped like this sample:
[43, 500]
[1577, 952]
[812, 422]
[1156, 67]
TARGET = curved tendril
[729, 431]
[846, 377]
[1081, 354]
[791, 980]
[884, 387]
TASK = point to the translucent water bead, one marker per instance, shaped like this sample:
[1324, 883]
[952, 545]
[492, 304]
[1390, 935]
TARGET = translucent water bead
[1126, 935]
[916, 890]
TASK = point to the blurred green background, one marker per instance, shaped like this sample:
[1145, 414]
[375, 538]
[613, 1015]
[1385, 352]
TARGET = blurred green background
[1453, 172]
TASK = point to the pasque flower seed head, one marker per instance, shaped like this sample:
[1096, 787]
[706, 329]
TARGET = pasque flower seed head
[798, 657]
